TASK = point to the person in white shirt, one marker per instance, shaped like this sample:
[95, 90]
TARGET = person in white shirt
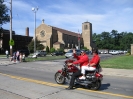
[17, 56]
[7, 53]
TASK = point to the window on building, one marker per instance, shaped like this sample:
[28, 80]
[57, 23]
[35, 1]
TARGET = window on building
[85, 27]
[42, 33]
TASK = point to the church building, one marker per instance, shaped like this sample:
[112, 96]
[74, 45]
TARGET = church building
[57, 38]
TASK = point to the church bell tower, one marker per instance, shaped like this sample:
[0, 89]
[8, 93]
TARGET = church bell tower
[87, 35]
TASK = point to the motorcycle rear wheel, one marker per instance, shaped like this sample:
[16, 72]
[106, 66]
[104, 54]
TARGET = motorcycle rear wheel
[96, 85]
[60, 79]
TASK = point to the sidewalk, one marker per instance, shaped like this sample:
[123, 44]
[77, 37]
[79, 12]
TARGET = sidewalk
[106, 71]
[118, 72]
[5, 61]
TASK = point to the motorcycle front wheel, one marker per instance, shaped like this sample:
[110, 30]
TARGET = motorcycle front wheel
[96, 85]
[59, 78]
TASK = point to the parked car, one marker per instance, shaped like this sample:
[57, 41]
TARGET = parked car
[70, 53]
[25, 51]
[86, 51]
[113, 52]
[57, 53]
[40, 53]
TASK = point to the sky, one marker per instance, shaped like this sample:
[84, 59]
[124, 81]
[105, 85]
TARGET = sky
[105, 15]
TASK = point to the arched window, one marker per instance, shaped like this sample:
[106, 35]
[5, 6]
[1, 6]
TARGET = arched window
[42, 33]
[85, 27]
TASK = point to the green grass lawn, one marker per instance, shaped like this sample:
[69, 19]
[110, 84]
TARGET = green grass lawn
[2, 55]
[121, 62]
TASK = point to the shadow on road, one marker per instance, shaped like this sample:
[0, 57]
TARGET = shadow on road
[104, 86]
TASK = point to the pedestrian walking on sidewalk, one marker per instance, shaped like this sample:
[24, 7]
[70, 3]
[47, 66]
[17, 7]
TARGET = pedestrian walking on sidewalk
[14, 56]
[20, 57]
[7, 53]
[17, 56]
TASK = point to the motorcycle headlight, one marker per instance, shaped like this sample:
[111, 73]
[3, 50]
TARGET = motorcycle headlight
[64, 65]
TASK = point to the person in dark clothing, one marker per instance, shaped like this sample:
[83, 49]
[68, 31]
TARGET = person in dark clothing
[14, 56]
[83, 60]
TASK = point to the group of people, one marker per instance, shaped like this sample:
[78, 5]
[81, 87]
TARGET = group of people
[18, 56]
[85, 64]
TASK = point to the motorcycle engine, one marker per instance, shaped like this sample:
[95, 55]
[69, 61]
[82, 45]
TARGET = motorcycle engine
[90, 77]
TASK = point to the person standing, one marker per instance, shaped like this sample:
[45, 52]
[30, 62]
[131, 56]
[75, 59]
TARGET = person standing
[14, 56]
[83, 60]
[7, 53]
[17, 56]
[20, 57]
[23, 57]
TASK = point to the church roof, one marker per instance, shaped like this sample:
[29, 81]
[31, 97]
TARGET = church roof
[66, 31]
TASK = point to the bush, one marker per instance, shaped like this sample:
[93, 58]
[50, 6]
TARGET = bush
[60, 50]
[47, 49]
[127, 54]
[85, 48]
[52, 50]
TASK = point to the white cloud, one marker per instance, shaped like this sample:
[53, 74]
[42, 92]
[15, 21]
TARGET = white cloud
[70, 15]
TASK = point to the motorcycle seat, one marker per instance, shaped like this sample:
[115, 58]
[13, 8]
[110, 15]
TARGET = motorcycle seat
[87, 71]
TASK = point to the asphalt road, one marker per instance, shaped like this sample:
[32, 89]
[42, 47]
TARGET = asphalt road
[113, 87]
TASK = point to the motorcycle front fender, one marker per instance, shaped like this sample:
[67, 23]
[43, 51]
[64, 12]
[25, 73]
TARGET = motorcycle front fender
[62, 72]
[59, 71]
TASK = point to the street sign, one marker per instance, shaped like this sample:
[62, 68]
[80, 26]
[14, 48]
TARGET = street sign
[11, 42]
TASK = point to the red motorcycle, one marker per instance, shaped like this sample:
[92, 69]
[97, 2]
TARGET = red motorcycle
[92, 81]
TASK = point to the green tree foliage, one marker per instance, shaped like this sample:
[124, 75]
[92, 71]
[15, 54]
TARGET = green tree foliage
[47, 49]
[85, 48]
[113, 40]
[38, 46]
[60, 50]
[31, 46]
[52, 50]
[4, 17]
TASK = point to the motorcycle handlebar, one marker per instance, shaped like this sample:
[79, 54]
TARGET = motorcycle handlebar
[69, 64]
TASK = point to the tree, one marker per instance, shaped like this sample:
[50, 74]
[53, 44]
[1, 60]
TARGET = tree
[106, 40]
[31, 46]
[4, 17]
[38, 46]
[85, 48]
[52, 50]
[47, 49]
[1, 32]
[60, 50]
[113, 40]
[114, 34]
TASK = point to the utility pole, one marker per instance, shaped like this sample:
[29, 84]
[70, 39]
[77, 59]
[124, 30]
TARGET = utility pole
[35, 10]
[78, 40]
[11, 49]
